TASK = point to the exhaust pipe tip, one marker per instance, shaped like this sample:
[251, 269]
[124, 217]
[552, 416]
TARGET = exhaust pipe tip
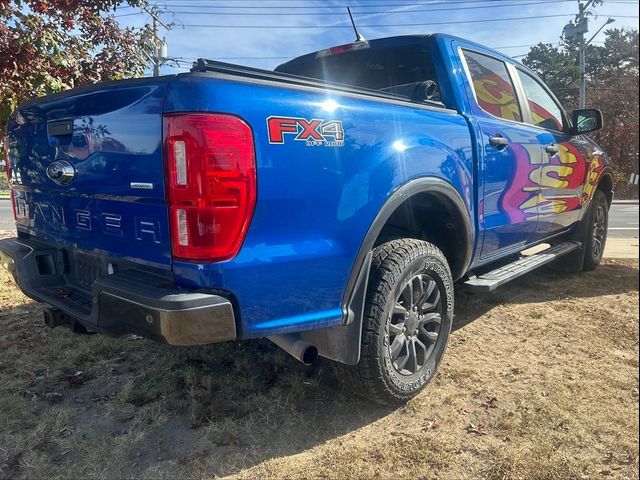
[309, 355]
[297, 347]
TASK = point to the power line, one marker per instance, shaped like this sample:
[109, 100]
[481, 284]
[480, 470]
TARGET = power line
[607, 89]
[466, 3]
[342, 14]
[129, 14]
[306, 27]
[369, 2]
[501, 47]
[386, 12]
[355, 8]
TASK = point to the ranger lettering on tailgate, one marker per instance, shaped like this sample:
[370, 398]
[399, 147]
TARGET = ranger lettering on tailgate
[146, 229]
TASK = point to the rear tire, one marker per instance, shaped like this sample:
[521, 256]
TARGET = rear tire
[407, 321]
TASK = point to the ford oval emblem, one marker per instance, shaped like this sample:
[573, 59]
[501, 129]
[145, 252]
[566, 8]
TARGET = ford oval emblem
[61, 172]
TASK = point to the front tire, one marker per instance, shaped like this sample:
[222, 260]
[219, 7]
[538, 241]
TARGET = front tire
[596, 231]
[592, 234]
[407, 321]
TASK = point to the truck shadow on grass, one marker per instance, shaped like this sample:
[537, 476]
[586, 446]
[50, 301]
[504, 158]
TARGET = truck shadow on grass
[93, 406]
[82, 406]
[548, 284]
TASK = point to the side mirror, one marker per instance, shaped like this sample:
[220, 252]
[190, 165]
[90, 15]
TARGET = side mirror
[586, 120]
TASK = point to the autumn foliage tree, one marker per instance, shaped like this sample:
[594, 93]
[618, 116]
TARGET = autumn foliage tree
[51, 45]
[612, 86]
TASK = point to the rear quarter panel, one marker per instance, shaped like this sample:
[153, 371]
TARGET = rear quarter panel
[316, 203]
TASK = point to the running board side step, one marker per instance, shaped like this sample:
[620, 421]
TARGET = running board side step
[489, 281]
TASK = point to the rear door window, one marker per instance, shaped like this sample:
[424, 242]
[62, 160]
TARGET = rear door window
[493, 87]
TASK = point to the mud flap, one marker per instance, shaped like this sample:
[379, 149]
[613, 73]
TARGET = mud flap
[342, 343]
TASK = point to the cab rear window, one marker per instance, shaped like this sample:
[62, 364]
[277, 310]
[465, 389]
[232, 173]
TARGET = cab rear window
[391, 69]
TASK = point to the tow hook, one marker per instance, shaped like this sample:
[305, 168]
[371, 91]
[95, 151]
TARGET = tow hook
[54, 317]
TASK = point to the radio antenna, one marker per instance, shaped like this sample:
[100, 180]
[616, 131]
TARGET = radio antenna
[359, 38]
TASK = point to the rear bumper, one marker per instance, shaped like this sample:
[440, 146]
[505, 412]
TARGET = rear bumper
[121, 299]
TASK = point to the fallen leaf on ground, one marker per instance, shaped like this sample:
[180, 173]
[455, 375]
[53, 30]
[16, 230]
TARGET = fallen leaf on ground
[490, 402]
[430, 425]
[28, 394]
[53, 397]
[477, 429]
[13, 462]
[67, 431]
[124, 413]
[77, 378]
[227, 439]
[193, 456]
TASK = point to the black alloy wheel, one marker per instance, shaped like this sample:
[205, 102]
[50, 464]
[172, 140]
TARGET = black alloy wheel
[406, 322]
[595, 231]
[415, 324]
[599, 231]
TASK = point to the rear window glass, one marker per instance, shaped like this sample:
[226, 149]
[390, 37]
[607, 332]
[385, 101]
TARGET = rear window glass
[392, 69]
[492, 85]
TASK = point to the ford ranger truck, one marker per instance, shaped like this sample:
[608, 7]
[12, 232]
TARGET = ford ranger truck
[331, 205]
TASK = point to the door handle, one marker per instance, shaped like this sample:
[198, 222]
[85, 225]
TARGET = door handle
[499, 142]
[552, 149]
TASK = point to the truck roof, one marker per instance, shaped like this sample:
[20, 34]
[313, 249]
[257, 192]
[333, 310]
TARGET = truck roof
[399, 40]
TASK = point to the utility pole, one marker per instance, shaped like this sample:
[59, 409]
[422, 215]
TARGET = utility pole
[578, 30]
[583, 27]
[156, 56]
[159, 46]
[583, 66]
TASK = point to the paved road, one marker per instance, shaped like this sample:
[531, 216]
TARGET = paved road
[623, 222]
[6, 215]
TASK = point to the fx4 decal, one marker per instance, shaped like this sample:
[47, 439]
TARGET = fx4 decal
[315, 132]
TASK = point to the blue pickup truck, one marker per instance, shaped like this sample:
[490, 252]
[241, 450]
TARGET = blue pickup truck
[330, 205]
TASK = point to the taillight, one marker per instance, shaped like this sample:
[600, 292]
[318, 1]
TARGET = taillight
[211, 184]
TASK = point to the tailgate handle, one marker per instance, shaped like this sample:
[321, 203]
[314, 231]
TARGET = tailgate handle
[60, 128]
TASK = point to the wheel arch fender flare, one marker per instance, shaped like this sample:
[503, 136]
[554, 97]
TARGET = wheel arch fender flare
[606, 177]
[604, 182]
[342, 343]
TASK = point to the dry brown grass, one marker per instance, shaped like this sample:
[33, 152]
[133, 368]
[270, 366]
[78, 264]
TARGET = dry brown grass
[540, 381]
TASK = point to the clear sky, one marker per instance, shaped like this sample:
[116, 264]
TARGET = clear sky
[265, 33]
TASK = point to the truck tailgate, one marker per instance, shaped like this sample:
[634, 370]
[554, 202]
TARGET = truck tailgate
[87, 170]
